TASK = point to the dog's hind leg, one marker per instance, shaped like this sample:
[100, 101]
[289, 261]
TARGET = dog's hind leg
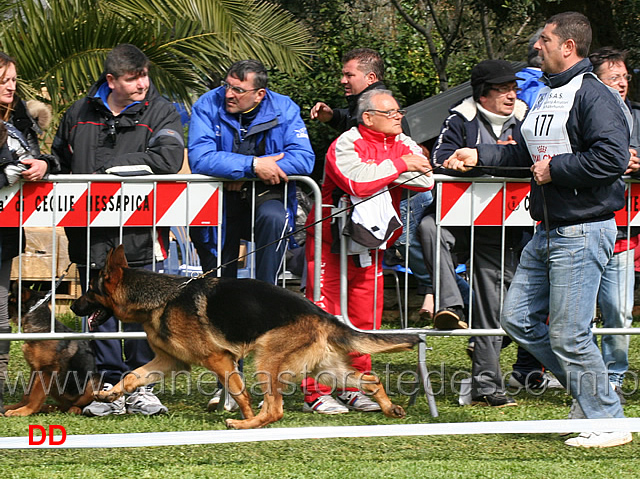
[335, 370]
[223, 365]
[370, 384]
[33, 401]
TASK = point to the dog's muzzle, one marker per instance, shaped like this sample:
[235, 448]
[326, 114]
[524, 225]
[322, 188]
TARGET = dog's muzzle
[96, 314]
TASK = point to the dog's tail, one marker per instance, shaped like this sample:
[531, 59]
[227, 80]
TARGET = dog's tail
[372, 343]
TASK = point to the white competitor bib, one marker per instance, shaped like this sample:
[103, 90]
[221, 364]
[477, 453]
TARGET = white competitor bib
[545, 127]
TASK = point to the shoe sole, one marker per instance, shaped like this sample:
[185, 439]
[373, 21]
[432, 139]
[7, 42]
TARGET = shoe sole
[485, 403]
[113, 413]
[353, 408]
[447, 320]
[143, 413]
[326, 413]
[612, 443]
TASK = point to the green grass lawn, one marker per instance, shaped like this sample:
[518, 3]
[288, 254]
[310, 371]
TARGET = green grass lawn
[472, 456]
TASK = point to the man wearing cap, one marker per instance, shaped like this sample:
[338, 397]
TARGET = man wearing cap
[492, 115]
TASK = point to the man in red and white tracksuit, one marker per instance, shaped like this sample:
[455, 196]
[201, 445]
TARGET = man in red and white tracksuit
[365, 161]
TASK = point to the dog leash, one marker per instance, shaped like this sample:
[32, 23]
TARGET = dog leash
[335, 213]
[338, 212]
[47, 296]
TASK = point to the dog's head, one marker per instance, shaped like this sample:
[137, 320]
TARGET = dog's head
[28, 298]
[99, 301]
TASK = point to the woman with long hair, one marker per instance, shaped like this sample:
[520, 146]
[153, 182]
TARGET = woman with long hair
[20, 158]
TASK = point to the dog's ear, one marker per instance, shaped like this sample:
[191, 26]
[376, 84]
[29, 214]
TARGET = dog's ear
[116, 262]
[116, 258]
[26, 294]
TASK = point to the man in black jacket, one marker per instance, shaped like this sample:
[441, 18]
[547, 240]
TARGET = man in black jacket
[492, 115]
[123, 127]
[576, 143]
[362, 70]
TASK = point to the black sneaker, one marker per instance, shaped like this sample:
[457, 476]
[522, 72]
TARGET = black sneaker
[533, 380]
[494, 400]
[450, 318]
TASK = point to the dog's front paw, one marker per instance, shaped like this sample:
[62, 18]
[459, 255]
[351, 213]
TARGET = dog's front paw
[20, 412]
[395, 411]
[107, 396]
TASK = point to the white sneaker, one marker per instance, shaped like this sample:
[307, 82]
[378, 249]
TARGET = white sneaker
[325, 405]
[143, 401]
[551, 382]
[358, 401]
[600, 439]
[97, 408]
[230, 404]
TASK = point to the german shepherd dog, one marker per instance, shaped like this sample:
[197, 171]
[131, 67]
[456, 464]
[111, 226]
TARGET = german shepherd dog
[213, 322]
[60, 368]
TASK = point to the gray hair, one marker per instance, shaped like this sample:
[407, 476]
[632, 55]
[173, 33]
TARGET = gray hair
[366, 100]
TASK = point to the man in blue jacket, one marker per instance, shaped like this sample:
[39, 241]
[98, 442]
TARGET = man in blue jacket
[576, 143]
[244, 130]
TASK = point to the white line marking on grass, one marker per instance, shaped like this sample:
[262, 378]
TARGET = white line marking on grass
[181, 438]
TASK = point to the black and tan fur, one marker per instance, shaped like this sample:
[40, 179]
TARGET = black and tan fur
[213, 322]
[60, 368]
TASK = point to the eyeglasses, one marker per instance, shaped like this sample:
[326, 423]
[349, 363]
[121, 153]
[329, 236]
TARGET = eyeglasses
[504, 89]
[617, 78]
[235, 89]
[389, 113]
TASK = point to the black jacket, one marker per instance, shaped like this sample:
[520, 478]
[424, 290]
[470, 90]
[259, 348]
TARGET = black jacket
[461, 129]
[22, 142]
[91, 139]
[346, 118]
[585, 184]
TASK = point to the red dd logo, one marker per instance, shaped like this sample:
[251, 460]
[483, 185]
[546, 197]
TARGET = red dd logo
[36, 441]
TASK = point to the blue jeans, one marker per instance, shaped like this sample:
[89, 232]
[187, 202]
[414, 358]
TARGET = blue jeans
[418, 204]
[616, 303]
[562, 283]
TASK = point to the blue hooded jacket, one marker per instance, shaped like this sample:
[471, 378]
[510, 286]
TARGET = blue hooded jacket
[217, 146]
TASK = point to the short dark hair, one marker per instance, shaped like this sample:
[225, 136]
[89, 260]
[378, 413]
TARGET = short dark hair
[125, 58]
[607, 55]
[574, 26]
[240, 70]
[369, 61]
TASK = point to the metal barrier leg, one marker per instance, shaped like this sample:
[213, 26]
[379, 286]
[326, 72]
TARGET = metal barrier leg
[423, 373]
[403, 322]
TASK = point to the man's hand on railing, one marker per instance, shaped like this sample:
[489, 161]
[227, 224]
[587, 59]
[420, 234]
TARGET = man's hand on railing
[462, 160]
[634, 163]
[417, 163]
[266, 168]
